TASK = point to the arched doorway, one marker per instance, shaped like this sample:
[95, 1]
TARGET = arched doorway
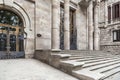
[11, 35]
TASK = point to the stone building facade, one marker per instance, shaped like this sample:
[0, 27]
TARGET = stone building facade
[109, 25]
[42, 24]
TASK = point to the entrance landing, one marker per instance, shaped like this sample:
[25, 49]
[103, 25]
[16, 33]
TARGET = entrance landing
[30, 69]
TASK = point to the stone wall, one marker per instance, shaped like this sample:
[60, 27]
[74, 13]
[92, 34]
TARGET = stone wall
[43, 55]
[51, 57]
[43, 24]
[106, 39]
[29, 8]
[106, 35]
[102, 9]
[82, 29]
[112, 48]
[112, 1]
[101, 12]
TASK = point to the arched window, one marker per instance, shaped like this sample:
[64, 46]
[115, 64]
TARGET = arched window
[8, 17]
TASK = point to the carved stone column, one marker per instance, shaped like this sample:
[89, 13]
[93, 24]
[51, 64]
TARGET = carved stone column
[90, 25]
[96, 29]
[66, 25]
[55, 24]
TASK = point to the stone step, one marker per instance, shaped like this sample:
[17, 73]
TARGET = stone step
[100, 62]
[87, 75]
[83, 51]
[111, 73]
[105, 69]
[88, 59]
[95, 54]
[93, 61]
[55, 59]
[68, 66]
[82, 58]
[61, 55]
[92, 68]
[85, 58]
[90, 52]
[91, 56]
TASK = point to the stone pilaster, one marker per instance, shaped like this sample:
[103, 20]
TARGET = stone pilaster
[96, 29]
[66, 25]
[106, 13]
[90, 25]
[55, 24]
[111, 14]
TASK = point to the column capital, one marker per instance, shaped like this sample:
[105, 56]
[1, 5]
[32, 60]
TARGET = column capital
[90, 2]
[97, 2]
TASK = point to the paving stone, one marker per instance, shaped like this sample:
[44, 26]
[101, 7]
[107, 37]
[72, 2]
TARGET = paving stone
[30, 69]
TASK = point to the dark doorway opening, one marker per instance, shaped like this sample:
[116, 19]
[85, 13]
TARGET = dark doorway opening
[73, 30]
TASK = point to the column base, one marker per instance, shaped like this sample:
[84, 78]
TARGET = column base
[56, 50]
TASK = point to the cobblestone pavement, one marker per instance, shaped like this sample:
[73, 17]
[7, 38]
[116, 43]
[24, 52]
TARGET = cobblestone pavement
[30, 69]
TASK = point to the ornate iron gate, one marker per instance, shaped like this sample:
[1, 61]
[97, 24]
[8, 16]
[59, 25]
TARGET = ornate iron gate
[11, 35]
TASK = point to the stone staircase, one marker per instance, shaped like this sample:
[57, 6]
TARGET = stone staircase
[87, 65]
